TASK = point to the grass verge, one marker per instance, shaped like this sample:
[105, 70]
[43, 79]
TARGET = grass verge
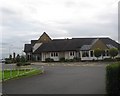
[15, 74]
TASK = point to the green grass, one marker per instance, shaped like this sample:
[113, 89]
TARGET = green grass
[22, 73]
[0, 75]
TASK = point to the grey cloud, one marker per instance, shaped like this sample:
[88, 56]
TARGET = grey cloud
[93, 29]
[70, 3]
[6, 11]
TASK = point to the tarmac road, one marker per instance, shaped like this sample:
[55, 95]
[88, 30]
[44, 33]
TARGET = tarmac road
[61, 80]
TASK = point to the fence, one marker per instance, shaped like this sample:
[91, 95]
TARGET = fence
[16, 72]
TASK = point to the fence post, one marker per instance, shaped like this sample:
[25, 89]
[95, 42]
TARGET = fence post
[18, 71]
[3, 74]
[10, 73]
[42, 69]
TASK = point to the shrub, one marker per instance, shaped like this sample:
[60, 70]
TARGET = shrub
[18, 58]
[19, 64]
[113, 79]
[97, 52]
[23, 63]
[71, 60]
[108, 59]
[117, 58]
[62, 59]
[77, 59]
[67, 60]
[22, 59]
[113, 52]
[8, 61]
[26, 63]
[49, 60]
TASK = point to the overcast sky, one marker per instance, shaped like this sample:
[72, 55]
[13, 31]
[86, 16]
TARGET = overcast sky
[25, 20]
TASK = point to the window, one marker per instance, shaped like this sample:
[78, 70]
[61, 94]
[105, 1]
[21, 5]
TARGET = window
[107, 53]
[51, 54]
[54, 54]
[71, 53]
[85, 54]
[91, 53]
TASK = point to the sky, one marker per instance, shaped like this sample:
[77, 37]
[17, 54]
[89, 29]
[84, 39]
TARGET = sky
[25, 20]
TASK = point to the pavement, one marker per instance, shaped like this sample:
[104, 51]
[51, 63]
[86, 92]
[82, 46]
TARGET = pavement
[60, 79]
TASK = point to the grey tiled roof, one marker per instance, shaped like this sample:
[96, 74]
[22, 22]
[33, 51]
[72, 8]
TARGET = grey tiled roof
[85, 47]
[110, 46]
[33, 42]
[73, 44]
[27, 48]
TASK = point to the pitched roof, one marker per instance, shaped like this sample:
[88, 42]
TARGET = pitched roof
[85, 47]
[27, 48]
[33, 42]
[44, 38]
[73, 44]
[110, 46]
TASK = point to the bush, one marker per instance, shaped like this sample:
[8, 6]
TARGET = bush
[62, 59]
[8, 61]
[19, 64]
[97, 53]
[71, 60]
[108, 59]
[18, 58]
[117, 58]
[49, 60]
[113, 79]
[67, 60]
[23, 63]
[76, 59]
[22, 59]
[113, 52]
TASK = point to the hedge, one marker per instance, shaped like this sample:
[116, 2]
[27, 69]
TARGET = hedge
[113, 79]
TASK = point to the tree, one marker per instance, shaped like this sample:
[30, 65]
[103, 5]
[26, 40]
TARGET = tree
[22, 59]
[97, 52]
[113, 52]
[13, 55]
[18, 58]
[10, 57]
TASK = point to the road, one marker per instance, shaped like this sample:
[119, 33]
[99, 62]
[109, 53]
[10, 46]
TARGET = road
[61, 80]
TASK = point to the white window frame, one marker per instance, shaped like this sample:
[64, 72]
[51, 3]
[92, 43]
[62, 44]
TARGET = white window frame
[54, 54]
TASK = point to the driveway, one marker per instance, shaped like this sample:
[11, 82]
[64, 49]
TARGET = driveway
[61, 80]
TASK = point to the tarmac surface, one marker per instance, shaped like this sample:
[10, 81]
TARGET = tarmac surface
[89, 79]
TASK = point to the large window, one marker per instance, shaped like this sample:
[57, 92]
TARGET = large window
[54, 54]
[85, 53]
[72, 53]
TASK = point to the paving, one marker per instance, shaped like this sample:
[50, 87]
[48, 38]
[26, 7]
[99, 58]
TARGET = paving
[61, 79]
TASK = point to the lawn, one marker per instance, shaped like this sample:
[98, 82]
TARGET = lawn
[10, 74]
